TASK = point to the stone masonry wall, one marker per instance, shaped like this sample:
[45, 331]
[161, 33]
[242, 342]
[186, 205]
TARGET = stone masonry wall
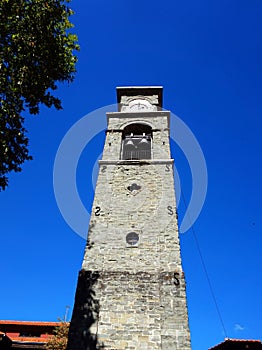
[125, 310]
[132, 296]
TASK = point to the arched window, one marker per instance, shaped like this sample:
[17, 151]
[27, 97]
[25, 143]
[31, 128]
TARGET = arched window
[136, 142]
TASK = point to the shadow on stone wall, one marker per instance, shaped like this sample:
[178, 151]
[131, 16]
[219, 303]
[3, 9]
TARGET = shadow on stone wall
[85, 314]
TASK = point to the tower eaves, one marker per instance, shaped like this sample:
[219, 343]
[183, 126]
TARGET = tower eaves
[140, 91]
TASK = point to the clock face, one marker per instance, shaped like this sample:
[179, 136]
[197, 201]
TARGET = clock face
[140, 105]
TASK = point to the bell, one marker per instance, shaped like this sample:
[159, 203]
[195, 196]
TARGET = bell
[129, 143]
[144, 141]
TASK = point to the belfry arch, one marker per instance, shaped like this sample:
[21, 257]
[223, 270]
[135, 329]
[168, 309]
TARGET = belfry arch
[136, 142]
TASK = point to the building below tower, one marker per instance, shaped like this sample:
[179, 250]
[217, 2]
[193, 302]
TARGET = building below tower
[238, 344]
[27, 335]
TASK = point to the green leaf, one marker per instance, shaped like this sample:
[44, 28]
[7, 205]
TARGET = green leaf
[37, 50]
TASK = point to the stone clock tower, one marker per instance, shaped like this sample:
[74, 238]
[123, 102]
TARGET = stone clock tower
[131, 289]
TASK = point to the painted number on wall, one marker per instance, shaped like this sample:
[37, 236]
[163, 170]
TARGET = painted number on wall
[170, 210]
[167, 168]
[97, 211]
[176, 279]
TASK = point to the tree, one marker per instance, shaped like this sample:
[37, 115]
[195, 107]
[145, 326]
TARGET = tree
[59, 340]
[36, 52]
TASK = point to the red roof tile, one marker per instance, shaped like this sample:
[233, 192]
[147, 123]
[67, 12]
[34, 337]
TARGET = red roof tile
[30, 323]
[230, 340]
[29, 339]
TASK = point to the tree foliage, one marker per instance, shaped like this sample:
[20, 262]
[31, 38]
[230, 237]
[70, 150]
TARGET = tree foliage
[36, 52]
[59, 340]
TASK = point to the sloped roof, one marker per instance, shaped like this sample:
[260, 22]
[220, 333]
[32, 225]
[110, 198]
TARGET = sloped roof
[38, 333]
[229, 343]
[29, 323]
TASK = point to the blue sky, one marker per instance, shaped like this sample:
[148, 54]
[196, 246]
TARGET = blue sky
[207, 55]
